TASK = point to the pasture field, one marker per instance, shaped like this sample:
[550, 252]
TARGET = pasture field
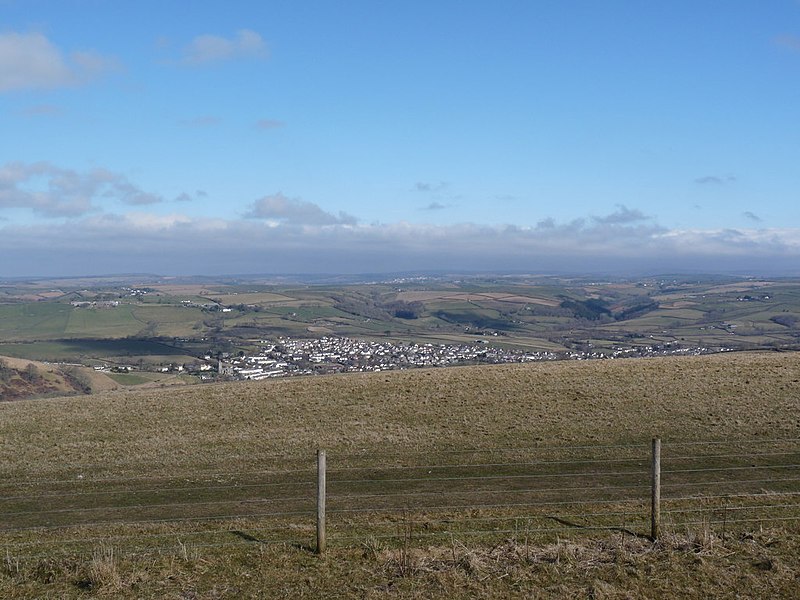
[118, 322]
[137, 456]
[251, 298]
[33, 321]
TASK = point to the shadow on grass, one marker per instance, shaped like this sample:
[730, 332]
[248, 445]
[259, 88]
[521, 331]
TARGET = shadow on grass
[252, 538]
[624, 530]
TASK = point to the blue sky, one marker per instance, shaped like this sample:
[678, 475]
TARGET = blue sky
[540, 136]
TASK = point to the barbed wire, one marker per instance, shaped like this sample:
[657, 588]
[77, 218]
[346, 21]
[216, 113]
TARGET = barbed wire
[709, 469]
[720, 496]
[728, 482]
[726, 508]
[738, 455]
[146, 491]
[610, 501]
[729, 521]
[521, 518]
[345, 499]
[466, 492]
[187, 477]
[388, 480]
[333, 481]
[148, 506]
[122, 522]
[237, 486]
[486, 465]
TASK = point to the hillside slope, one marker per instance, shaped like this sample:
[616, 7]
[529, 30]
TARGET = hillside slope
[622, 401]
[78, 472]
[21, 378]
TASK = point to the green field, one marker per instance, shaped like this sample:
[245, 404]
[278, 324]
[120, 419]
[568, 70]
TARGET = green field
[32, 321]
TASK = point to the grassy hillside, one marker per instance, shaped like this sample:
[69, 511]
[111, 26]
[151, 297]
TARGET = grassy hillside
[230, 428]
[603, 402]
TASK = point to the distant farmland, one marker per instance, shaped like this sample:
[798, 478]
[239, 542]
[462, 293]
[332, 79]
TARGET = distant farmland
[531, 313]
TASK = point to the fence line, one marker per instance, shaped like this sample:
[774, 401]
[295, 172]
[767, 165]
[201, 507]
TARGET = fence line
[222, 517]
[595, 499]
[728, 482]
[87, 480]
[487, 477]
[153, 490]
[496, 491]
[750, 468]
[484, 465]
[745, 455]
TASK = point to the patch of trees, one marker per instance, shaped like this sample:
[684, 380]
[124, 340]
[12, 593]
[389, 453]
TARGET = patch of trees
[540, 310]
[637, 310]
[31, 374]
[592, 309]
[6, 372]
[79, 380]
[361, 307]
[405, 310]
[789, 321]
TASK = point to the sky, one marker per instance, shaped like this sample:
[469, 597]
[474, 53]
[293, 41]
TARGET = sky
[537, 136]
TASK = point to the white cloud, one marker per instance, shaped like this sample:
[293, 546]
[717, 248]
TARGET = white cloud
[278, 207]
[209, 49]
[31, 61]
[51, 191]
[181, 244]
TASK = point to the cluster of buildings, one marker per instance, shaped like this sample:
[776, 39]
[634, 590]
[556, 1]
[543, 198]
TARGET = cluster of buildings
[336, 355]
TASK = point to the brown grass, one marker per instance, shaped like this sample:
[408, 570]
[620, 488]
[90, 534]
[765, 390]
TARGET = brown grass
[562, 403]
[759, 564]
[229, 427]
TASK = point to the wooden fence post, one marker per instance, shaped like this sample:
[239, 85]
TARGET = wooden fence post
[320, 501]
[655, 481]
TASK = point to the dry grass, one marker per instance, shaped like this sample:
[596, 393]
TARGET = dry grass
[229, 427]
[759, 564]
[747, 396]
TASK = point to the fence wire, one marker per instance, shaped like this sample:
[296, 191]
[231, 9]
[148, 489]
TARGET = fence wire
[475, 492]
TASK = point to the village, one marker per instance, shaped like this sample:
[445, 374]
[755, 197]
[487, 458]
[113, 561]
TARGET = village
[289, 356]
